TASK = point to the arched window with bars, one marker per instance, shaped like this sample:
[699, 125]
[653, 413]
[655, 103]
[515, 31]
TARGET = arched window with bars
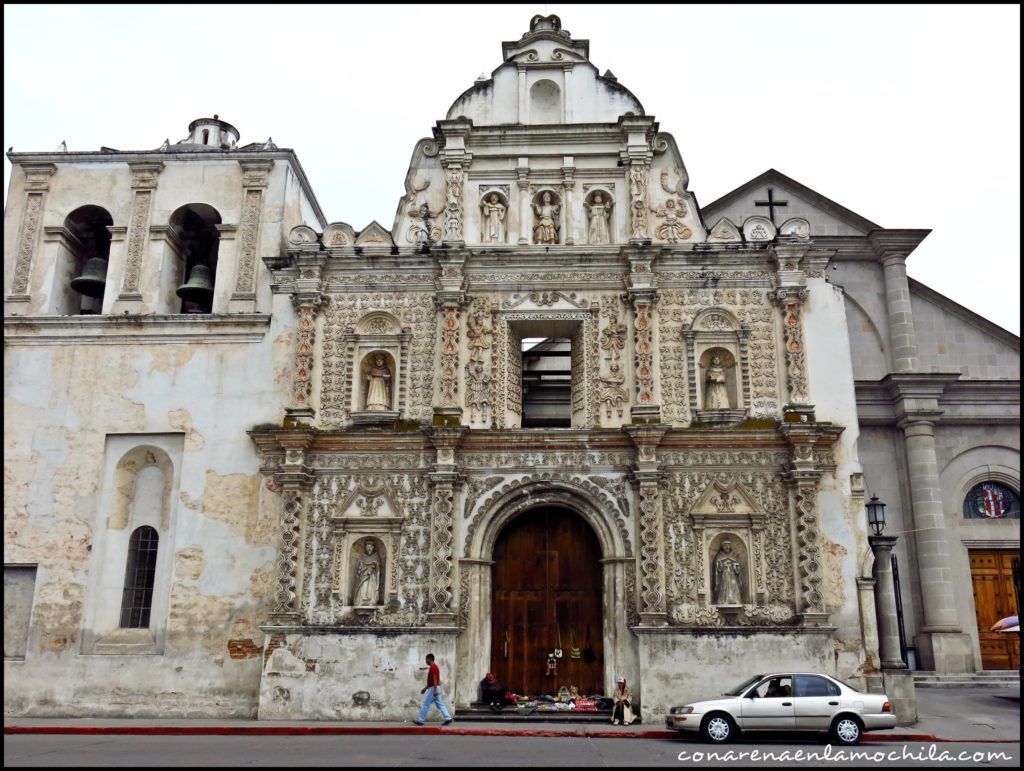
[139, 575]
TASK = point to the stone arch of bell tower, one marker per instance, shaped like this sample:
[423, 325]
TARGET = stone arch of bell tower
[603, 516]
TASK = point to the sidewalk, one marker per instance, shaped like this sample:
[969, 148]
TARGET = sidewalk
[963, 715]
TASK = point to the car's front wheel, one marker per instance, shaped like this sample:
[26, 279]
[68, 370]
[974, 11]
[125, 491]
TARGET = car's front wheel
[846, 729]
[718, 728]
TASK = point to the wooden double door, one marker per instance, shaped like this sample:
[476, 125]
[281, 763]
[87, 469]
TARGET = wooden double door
[547, 585]
[995, 576]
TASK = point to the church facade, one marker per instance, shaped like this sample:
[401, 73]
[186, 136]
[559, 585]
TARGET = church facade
[261, 463]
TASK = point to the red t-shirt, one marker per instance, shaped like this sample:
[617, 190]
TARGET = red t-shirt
[433, 675]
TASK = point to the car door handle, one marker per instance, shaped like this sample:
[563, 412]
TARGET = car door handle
[833, 703]
[787, 704]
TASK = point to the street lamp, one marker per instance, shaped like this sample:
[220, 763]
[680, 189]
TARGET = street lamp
[876, 514]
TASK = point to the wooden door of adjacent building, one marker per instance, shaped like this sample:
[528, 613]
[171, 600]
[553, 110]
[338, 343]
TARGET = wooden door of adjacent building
[547, 584]
[995, 575]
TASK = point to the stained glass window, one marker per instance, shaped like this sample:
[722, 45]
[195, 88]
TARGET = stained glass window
[991, 500]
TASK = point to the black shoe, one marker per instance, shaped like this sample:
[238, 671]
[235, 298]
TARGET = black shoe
[447, 722]
[495, 707]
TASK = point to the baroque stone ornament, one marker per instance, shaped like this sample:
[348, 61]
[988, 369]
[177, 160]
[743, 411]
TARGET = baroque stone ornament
[546, 219]
[643, 347]
[302, 380]
[672, 229]
[423, 231]
[638, 174]
[599, 214]
[37, 183]
[249, 227]
[415, 312]
[791, 302]
[677, 310]
[449, 354]
[492, 219]
[286, 596]
[453, 215]
[144, 180]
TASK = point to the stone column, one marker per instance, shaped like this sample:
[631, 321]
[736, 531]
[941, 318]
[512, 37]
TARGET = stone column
[37, 183]
[306, 299]
[885, 602]
[445, 482]
[897, 680]
[791, 301]
[255, 179]
[643, 295]
[942, 644]
[901, 319]
[802, 479]
[525, 212]
[296, 479]
[647, 477]
[568, 183]
[144, 181]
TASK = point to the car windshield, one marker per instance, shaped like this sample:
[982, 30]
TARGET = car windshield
[743, 686]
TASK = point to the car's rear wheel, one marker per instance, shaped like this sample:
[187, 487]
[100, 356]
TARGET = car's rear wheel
[718, 728]
[846, 729]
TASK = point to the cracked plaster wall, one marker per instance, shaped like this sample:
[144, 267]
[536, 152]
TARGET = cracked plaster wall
[61, 404]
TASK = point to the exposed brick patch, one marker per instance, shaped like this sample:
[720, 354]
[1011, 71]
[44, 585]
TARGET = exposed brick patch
[243, 649]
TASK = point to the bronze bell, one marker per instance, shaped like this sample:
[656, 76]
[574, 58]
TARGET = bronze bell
[199, 287]
[93, 279]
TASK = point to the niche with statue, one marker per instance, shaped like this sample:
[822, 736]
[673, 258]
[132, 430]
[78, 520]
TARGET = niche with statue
[378, 351]
[367, 568]
[717, 368]
[729, 530]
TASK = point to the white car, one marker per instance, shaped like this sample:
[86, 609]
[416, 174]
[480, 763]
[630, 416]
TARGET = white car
[786, 702]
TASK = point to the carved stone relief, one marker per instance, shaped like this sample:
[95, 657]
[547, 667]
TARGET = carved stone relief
[677, 310]
[479, 370]
[346, 513]
[453, 215]
[638, 174]
[702, 508]
[415, 313]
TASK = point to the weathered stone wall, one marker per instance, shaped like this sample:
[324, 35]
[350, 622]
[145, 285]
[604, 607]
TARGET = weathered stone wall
[369, 676]
[683, 668]
[220, 538]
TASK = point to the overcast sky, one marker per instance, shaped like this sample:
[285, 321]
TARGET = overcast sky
[908, 115]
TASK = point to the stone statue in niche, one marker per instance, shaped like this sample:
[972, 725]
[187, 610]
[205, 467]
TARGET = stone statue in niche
[727, 576]
[716, 392]
[546, 229]
[378, 384]
[369, 569]
[599, 211]
[493, 219]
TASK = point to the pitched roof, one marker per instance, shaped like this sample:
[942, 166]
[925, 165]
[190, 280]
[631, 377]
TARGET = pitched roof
[812, 197]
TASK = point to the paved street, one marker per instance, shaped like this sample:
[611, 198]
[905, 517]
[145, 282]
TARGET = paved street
[447, 751]
[972, 714]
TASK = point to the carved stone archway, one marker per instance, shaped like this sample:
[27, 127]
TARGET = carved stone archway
[603, 513]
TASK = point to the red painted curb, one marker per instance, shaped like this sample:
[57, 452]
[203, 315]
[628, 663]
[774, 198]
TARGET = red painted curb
[414, 731]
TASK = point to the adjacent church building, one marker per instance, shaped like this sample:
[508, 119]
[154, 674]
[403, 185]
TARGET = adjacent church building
[259, 463]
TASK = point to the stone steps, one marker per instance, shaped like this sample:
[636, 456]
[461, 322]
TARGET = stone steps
[482, 714]
[1001, 678]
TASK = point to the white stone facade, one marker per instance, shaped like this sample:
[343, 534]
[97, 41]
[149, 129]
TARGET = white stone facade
[348, 387]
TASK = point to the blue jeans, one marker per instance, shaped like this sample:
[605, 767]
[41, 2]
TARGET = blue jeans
[433, 696]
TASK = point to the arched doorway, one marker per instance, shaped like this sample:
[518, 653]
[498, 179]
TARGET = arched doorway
[547, 587]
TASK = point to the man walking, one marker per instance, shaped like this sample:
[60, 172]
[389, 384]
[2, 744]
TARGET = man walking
[433, 693]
